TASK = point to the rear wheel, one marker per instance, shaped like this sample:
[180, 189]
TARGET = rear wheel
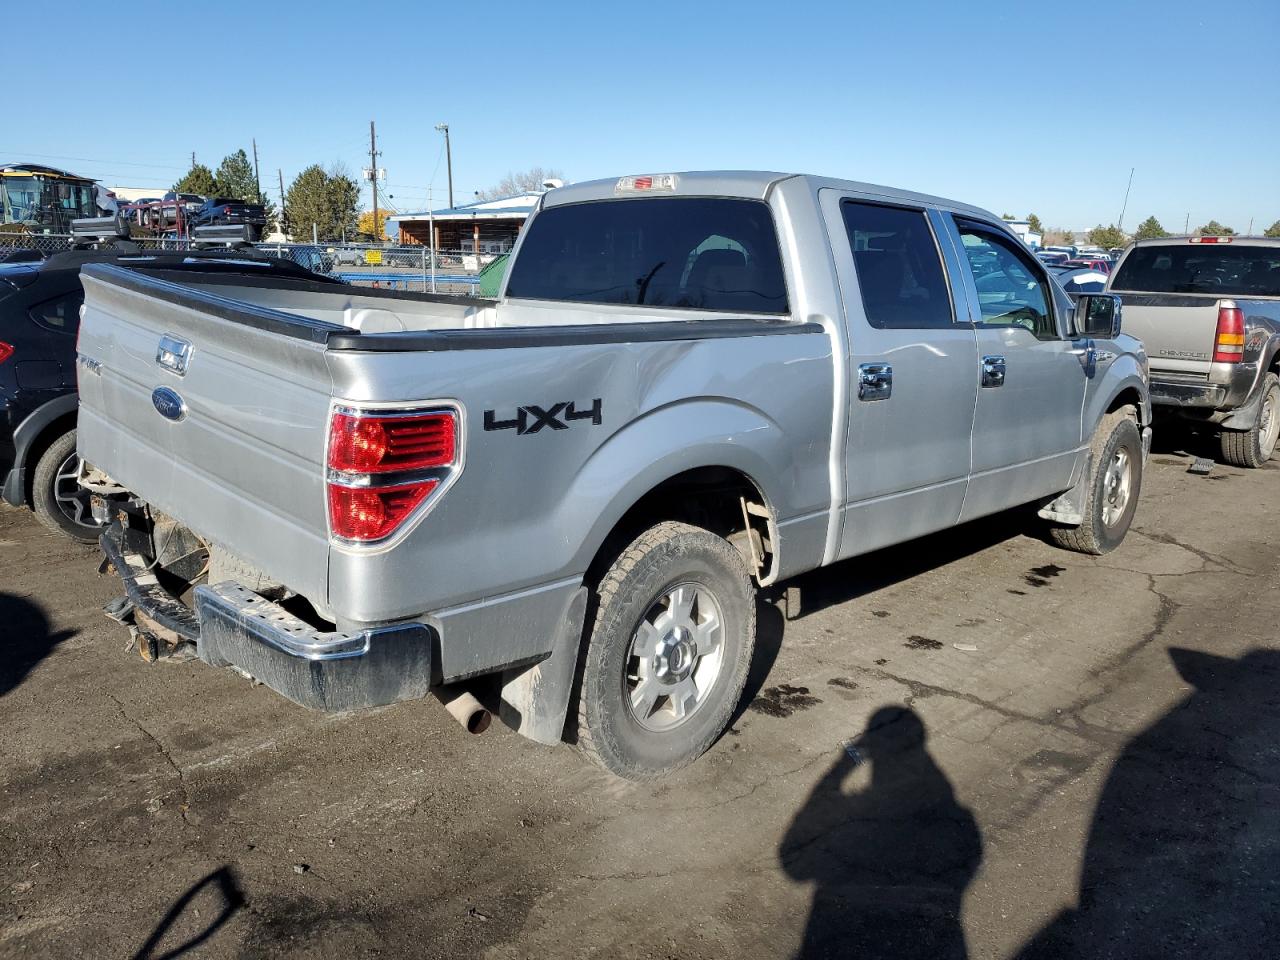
[668, 653]
[1252, 448]
[1114, 486]
[57, 498]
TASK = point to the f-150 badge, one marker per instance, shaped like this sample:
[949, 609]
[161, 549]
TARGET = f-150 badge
[532, 418]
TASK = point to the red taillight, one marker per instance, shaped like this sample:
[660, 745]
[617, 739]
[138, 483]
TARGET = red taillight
[6, 351]
[364, 443]
[226, 210]
[383, 465]
[1228, 344]
[372, 513]
[1210, 239]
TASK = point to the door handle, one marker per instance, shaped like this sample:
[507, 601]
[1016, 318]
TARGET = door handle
[993, 371]
[875, 381]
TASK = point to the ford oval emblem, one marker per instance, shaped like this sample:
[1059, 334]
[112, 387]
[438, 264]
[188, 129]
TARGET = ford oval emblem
[168, 403]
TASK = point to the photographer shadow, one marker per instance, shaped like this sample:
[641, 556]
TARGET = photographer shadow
[25, 639]
[890, 861]
[1182, 853]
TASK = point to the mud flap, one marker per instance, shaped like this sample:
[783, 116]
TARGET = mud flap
[1245, 417]
[535, 700]
[1068, 508]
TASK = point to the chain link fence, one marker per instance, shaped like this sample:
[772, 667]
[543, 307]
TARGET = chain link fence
[413, 268]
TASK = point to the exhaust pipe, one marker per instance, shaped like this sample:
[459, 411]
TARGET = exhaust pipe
[464, 708]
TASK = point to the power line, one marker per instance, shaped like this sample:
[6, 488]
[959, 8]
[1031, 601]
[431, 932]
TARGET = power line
[96, 160]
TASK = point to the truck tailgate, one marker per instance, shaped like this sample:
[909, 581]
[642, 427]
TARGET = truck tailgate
[1177, 329]
[242, 462]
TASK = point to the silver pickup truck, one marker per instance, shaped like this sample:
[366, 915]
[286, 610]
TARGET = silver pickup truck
[691, 386]
[1208, 311]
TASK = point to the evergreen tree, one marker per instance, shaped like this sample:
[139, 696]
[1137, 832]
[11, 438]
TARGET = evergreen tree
[198, 180]
[1215, 229]
[1150, 229]
[235, 178]
[326, 199]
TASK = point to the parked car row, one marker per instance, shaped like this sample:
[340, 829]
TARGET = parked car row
[188, 211]
[560, 504]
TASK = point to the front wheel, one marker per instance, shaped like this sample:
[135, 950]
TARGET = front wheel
[1252, 448]
[57, 498]
[1114, 486]
[669, 651]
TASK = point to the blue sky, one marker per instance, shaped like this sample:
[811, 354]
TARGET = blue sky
[1014, 106]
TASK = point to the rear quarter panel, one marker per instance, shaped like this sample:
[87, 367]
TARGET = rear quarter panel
[533, 509]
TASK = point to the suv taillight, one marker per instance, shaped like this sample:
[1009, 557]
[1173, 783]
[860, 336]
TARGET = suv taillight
[1228, 343]
[6, 351]
[226, 210]
[383, 465]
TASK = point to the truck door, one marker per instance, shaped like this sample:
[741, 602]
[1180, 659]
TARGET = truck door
[1026, 429]
[911, 365]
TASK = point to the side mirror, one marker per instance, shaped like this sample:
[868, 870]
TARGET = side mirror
[1098, 315]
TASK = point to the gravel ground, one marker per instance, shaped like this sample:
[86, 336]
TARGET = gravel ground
[973, 744]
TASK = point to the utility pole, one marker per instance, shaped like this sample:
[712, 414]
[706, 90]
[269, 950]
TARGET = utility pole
[193, 158]
[257, 184]
[373, 177]
[448, 156]
[284, 214]
[431, 238]
[1186, 224]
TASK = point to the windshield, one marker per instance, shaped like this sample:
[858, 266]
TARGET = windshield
[1219, 269]
[21, 198]
[697, 253]
[35, 199]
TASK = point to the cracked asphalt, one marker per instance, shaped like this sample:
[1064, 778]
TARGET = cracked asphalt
[974, 744]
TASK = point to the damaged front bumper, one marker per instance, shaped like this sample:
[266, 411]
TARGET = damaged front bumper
[232, 626]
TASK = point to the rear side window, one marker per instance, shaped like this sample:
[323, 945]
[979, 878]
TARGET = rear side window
[698, 253]
[899, 268]
[1221, 269]
[61, 313]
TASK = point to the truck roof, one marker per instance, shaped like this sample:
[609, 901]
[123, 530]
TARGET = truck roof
[1187, 238]
[752, 184]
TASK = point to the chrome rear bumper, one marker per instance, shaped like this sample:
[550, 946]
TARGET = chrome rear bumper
[232, 626]
[333, 671]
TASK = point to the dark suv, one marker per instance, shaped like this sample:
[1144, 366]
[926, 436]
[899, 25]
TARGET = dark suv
[223, 211]
[39, 315]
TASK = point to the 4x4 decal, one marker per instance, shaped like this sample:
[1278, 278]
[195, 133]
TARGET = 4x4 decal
[532, 418]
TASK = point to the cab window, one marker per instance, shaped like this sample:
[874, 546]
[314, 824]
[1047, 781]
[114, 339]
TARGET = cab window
[719, 254]
[1012, 290]
[899, 269]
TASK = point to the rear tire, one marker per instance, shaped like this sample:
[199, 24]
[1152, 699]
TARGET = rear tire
[1252, 448]
[669, 651]
[1115, 483]
[58, 502]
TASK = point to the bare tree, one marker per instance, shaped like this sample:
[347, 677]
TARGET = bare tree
[515, 183]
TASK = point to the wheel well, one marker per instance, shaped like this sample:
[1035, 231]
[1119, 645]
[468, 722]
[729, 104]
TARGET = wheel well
[42, 442]
[1130, 397]
[720, 499]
